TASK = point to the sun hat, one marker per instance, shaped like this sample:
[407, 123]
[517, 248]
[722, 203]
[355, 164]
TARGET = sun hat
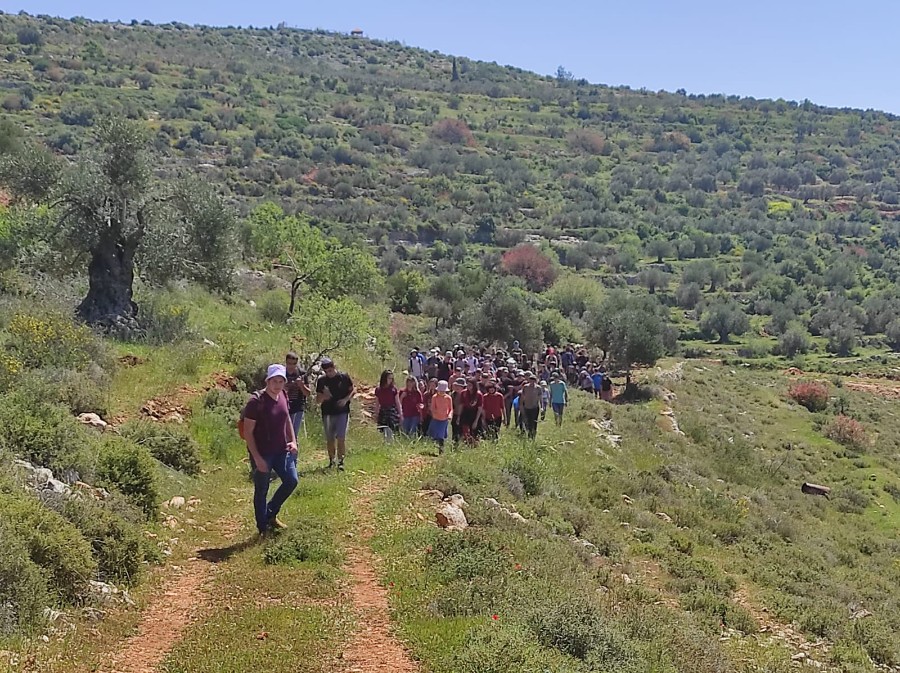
[276, 370]
[460, 381]
[443, 386]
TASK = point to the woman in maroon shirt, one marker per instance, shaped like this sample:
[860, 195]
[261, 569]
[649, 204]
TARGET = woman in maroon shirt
[472, 402]
[387, 405]
[411, 405]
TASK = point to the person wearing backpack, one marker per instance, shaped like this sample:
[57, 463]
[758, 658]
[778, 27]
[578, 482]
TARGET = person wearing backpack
[297, 390]
[272, 444]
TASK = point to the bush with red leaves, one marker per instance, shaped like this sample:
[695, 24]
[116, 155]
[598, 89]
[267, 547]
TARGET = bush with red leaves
[531, 265]
[810, 394]
[453, 132]
[847, 431]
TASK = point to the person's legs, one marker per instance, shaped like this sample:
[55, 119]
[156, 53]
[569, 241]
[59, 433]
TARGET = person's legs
[531, 416]
[410, 425]
[286, 469]
[260, 493]
[509, 406]
[297, 422]
[341, 422]
[328, 429]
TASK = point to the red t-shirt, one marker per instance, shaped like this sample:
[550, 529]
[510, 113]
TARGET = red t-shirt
[272, 430]
[470, 400]
[386, 396]
[493, 406]
[409, 402]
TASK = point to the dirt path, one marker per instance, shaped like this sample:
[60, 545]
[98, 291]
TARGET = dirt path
[171, 612]
[373, 648]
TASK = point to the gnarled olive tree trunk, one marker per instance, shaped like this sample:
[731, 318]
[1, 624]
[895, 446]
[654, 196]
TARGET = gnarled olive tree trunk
[110, 283]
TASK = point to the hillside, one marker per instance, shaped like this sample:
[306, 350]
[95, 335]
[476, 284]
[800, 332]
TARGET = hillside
[788, 208]
[236, 193]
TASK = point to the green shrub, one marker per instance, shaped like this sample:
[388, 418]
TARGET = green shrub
[23, 587]
[162, 321]
[129, 469]
[51, 340]
[527, 471]
[252, 370]
[725, 612]
[77, 391]
[117, 544]
[273, 307]
[309, 540]
[507, 648]
[46, 435]
[466, 556]
[170, 444]
[878, 640]
[52, 543]
[575, 626]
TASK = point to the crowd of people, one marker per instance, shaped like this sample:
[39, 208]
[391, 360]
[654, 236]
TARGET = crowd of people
[465, 394]
[469, 393]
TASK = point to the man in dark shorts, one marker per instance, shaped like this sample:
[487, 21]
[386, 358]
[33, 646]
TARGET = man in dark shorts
[297, 390]
[334, 390]
[272, 446]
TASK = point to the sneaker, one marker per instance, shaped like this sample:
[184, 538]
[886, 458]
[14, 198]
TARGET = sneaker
[330, 464]
[341, 466]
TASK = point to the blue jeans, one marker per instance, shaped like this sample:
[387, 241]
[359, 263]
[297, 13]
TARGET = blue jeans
[297, 422]
[285, 467]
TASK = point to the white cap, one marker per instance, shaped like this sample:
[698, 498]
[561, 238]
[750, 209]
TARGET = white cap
[276, 370]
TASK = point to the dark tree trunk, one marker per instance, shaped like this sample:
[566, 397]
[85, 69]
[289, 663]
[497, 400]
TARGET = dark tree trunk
[110, 281]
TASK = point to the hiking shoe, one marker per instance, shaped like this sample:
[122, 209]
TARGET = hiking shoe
[276, 524]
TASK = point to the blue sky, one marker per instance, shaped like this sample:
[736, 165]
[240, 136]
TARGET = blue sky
[832, 52]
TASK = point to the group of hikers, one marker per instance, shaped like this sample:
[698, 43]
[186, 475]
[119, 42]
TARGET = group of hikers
[469, 393]
[466, 394]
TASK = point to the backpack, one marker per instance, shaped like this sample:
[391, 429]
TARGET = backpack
[240, 423]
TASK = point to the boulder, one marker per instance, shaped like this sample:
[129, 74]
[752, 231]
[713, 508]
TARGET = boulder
[451, 517]
[457, 499]
[93, 421]
[177, 502]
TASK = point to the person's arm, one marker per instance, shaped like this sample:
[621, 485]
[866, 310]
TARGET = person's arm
[398, 404]
[258, 461]
[324, 394]
[289, 431]
[344, 401]
[303, 385]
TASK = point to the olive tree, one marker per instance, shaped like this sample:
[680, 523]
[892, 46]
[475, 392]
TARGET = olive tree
[115, 217]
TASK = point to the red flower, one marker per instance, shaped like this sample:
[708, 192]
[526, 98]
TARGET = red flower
[495, 617]
[518, 566]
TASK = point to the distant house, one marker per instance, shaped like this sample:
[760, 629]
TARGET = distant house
[356, 32]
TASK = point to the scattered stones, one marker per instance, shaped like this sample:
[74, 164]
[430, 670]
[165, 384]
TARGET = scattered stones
[627, 500]
[436, 496]
[94, 492]
[457, 500]
[211, 344]
[669, 413]
[605, 429]
[512, 514]
[93, 421]
[815, 489]
[105, 593]
[664, 517]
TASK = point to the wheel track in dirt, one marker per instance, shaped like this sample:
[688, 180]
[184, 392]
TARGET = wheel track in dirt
[373, 647]
[170, 613]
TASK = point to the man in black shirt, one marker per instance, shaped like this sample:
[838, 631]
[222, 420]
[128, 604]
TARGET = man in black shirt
[334, 390]
[445, 367]
[297, 389]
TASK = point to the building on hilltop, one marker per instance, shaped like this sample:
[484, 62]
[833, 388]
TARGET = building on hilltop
[356, 32]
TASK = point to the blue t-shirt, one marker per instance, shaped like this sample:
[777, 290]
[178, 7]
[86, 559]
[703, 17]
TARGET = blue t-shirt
[597, 378]
[558, 391]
